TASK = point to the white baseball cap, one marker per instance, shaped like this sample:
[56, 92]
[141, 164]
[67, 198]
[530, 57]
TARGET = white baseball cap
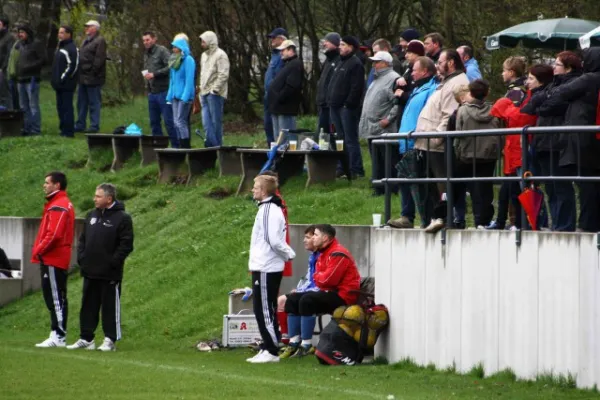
[286, 43]
[93, 22]
[382, 56]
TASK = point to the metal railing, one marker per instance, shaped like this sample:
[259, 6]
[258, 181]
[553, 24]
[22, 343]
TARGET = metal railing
[390, 139]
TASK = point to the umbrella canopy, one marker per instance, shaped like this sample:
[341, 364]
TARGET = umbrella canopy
[558, 33]
[590, 39]
[531, 200]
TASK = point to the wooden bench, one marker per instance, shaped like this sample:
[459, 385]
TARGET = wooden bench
[321, 165]
[230, 163]
[186, 164]
[125, 146]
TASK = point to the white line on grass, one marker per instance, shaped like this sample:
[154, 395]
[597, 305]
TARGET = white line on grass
[220, 375]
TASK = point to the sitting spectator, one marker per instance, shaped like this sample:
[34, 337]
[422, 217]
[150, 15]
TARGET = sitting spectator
[306, 284]
[478, 153]
[471, 64]
[423, 74]
[338, 281]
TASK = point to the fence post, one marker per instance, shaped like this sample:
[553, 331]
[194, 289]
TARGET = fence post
[524, 167]
[386, 185]
[449, 189]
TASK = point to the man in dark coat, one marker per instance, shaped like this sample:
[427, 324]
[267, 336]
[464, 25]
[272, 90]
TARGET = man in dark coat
[331, 44]
[285, 91]
[344, 100]
[64, 80]
[92, 75]
[6, 43]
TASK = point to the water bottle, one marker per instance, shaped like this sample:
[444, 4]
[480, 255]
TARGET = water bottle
[323, 140]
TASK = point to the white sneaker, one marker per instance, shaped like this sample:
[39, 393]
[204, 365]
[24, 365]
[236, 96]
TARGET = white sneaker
[255, 356]
[265, 357]
[107, 345]
[435, 225]
[82, 344]
[53, 341]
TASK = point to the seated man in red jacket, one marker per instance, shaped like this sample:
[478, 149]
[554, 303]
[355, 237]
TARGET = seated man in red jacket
[338, 281]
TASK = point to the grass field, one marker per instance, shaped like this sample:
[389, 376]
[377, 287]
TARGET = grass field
[190, 250]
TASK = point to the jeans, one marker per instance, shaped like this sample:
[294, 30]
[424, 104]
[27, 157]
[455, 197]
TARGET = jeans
[346, 124]
[29, 97]
[66, 115]
[181, 114]
[268, 122]
[157, 107]
[88, 97]
[589, 203]
[283, 122]
[561, 195]
[212, 119]
[408, 203]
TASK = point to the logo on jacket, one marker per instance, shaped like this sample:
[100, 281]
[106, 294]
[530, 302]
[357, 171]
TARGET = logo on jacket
[93, 220]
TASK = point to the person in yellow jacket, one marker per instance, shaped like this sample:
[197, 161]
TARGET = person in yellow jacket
[214, 74]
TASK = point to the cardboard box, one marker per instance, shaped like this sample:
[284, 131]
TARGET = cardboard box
[239, 330]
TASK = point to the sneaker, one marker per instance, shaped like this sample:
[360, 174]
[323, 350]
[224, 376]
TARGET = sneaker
[435, 225]
[480, 227]
[53, 341]
[107, 345]
[494, 225]
[264, 357]
[401, 223]
[303, 351]
[289, 351]
[513, 228]
[82, 344]
[255, 356]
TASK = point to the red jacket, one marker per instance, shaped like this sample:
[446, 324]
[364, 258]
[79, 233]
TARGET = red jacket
[53, 242]
[336, 272]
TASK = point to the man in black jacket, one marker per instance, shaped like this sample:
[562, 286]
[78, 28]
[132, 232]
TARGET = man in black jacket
[285, 91]
[344, 100]
[32, 57]
[92, 75]
[331, 44]
[6, 43]
[104, 244]
[64, 79]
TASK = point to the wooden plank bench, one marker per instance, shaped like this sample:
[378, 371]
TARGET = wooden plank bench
[124, 147]
[186, 164]
[230, 163]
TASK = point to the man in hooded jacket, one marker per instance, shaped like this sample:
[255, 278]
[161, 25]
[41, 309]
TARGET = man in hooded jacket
[214, 74]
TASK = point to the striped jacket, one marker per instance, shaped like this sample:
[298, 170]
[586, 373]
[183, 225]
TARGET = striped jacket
[65, 68]
[268, 248]
[52, 246]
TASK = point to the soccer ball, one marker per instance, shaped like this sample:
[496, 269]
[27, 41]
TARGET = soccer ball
[371, 338]
[354, 314]
[377, 320]
[338, 312]
[348, 329]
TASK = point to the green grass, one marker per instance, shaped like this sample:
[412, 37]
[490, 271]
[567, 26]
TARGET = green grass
[190, 250]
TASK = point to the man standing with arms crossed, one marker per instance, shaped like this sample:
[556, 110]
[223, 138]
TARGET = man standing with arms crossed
[104, 244]
[52, 250]
[268, 253]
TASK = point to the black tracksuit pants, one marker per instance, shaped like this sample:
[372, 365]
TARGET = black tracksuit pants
[265, 289]
[54, 289]
[312, 303]
[100, 294]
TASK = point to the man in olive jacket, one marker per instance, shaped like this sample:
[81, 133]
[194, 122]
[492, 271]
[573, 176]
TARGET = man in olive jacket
[92, 74]
[104, 244]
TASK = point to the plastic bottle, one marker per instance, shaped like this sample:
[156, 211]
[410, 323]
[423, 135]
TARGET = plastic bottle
[323, 140]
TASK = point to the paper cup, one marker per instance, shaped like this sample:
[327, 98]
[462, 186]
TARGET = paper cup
[273, 144]
[339, 145]
[16, 274]
[293, 145]
[377, 220]
[144, 72]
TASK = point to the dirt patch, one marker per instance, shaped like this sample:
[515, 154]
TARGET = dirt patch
[219, 193]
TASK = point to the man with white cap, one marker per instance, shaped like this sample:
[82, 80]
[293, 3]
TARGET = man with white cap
[92, 75]
[285, 91]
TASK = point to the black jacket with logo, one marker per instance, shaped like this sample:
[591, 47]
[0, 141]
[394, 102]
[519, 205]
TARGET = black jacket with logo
[106, 240]
[65, 66]
[333, 59]
[347, 83]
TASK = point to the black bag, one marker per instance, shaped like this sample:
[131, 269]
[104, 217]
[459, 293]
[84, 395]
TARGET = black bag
[336, 347]
[119, 130]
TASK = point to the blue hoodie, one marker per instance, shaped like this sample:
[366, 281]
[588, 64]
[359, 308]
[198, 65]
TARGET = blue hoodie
[414, 106]
[307, 284]
[181, 81]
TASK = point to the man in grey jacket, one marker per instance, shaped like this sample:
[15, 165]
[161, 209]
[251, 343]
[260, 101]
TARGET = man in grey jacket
[156, 68]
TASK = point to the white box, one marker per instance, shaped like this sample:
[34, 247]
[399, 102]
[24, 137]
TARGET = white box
[240, 330]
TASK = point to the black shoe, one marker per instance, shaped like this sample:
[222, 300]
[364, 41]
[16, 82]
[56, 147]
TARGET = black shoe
[91, 131]
[459, 225]
[185, 144]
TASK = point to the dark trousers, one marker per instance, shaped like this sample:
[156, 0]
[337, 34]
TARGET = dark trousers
[509, 194]
[100, 294]
[433, 165]
[312, 303]
[159, 109]
[66, 115]
[407, 202]
[88, 98]
[265, 289]
[346, 121]
[378, 166]
[54, 290]
[482, 193]
[324, 120]
[561, 195]
[268, 122]
[14, 94]
[589, 203]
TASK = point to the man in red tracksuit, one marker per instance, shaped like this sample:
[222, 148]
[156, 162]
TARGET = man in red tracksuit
[338, 281]
[52, 250]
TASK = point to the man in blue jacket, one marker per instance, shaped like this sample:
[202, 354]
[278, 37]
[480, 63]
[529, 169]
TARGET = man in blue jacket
[423, 74]
[275, 65]
[64, 80]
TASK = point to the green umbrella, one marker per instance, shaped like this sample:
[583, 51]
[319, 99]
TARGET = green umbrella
[558, 33]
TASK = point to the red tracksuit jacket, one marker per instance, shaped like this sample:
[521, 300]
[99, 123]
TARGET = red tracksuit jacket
[336, 272]
[53, 242]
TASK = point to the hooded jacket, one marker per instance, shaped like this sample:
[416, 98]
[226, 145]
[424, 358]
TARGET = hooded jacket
[52, 246]
[347, 83]
[581, 95]
[32, 57]
[156, 61]
[285, 92]
[65, 66]
[474, 116]
[181, 80]
[438, 109]
[6, 43]
[380, 103]
[105, 243]
[92, 61]
[417, 99]
[214, 67]
[332, 60]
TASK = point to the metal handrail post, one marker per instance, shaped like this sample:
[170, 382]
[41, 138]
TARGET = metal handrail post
[524, 167]
[386, 184]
